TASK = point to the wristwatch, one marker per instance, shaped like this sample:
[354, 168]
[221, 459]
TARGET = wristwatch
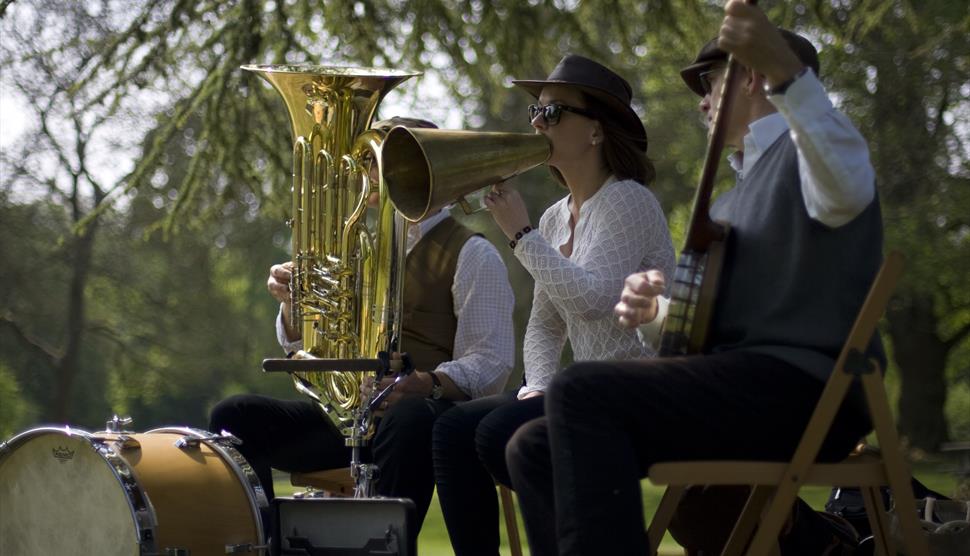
[780, 88]
[437, 390]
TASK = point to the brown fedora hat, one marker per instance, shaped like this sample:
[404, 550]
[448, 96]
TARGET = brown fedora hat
[598, 81]
[710, 54]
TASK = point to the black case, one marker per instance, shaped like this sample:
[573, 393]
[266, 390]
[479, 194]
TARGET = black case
[343, 527]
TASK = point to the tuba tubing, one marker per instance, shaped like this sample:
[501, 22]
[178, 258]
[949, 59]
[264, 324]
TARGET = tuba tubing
[346, 286]
[426, 169]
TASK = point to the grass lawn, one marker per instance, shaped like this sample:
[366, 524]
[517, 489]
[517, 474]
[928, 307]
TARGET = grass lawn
[433, 540]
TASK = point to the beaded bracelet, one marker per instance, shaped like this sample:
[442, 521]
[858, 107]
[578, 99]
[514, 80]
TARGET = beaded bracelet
[518, 236]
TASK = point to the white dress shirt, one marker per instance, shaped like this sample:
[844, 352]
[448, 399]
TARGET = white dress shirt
[484, 349]
[837, 179]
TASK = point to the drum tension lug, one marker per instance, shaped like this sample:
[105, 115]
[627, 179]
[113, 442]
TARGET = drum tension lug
[193, 441]
[187, 442]
[128, 443]
[117, 424]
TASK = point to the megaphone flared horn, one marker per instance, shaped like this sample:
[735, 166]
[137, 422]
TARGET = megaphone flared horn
[426, 169]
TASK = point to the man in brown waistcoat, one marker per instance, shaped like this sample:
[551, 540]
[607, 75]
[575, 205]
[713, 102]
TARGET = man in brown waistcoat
[457, 328]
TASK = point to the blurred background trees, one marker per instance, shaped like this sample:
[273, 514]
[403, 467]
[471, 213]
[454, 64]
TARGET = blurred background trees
[143, 195]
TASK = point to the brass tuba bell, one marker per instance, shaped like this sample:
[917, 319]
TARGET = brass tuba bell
[426, 169]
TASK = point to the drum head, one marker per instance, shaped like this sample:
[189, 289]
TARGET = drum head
[58, 495]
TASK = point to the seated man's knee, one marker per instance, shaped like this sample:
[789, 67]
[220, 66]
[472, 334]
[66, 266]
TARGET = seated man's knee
[571, 387]
[528, 447]
[454, 424]
[490, 445]
[227, 412]
[408, 418]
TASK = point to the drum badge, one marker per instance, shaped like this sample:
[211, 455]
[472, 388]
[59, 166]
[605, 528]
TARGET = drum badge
[63, 454]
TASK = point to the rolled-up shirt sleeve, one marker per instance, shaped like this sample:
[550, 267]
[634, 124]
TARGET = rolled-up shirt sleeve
[484, 349]
[837, 178]
[285, 343]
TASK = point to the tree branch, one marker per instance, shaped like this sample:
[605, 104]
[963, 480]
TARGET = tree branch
[960, 335]
[34, 345]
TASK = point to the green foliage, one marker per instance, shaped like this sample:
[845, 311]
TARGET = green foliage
[901, 70]
[177, 313]
[15, 410]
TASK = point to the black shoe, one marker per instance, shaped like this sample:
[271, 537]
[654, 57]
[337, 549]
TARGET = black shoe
[845, 539]
[815, 533]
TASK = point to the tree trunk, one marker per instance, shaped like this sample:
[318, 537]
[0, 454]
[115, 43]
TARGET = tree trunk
[921, 356]
[69, 365]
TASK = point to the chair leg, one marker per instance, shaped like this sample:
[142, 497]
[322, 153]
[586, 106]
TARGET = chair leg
[877, 521]
[661, 519]
[511, 525]
[896, 470]
[777, 512]
[748, 520]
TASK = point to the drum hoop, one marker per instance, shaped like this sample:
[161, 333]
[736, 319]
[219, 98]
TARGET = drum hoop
[243, 470]
[142, 511]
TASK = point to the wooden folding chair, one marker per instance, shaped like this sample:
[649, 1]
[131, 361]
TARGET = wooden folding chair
[774, 486]
[334, 482]
[338, 482]
[511, 525]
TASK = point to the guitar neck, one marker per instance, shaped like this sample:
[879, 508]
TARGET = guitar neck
[703, 231]
[696, 278]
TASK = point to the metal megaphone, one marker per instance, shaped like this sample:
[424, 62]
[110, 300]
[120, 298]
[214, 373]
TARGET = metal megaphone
[426, 169]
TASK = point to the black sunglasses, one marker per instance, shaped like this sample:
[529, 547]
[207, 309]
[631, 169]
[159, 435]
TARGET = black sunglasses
[552, 112]
[705, 79]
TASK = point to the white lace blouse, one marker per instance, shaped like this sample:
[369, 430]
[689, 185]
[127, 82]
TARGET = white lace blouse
[621, 230]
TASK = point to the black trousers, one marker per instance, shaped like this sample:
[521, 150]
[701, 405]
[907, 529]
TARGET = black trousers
[296, 436]
[607, 423]
[469, 443]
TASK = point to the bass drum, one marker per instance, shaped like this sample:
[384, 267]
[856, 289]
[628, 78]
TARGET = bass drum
[167, 491]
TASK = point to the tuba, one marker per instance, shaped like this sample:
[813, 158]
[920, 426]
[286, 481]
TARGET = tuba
[348, 251]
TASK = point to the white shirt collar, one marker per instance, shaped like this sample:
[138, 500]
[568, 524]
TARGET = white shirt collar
[418, 230]
[569, 198]
[762, 133]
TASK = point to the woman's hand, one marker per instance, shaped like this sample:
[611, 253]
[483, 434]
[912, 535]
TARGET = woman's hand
[638, 302]
[508, 209]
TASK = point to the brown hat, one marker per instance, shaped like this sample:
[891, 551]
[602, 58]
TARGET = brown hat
[598, 81]
[710, 54]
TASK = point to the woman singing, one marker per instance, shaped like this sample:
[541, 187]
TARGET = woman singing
[608, 226]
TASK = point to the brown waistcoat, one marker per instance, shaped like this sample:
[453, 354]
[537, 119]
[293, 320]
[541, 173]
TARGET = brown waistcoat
[429, 323]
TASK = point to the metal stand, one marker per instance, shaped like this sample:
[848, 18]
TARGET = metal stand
[364, 474]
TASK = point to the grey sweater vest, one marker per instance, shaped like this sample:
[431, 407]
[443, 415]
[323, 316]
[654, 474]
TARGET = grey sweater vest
[791, 286]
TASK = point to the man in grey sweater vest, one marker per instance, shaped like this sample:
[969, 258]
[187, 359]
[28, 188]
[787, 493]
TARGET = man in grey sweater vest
[805, 244]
